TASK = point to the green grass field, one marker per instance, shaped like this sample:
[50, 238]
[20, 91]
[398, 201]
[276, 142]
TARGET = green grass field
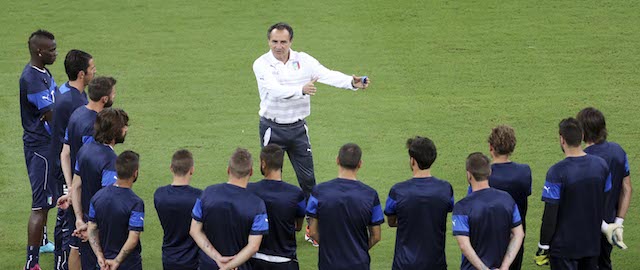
[449, 70]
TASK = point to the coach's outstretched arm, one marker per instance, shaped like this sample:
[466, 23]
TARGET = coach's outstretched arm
[469, 252]
[205, 245]
[517, 236]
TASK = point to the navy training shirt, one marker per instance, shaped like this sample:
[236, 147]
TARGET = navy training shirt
[578, 185]
[515, 179]
[174, 205]
[36, 98]
[117, 211]
[285, 202]
[618, 163]
[229, 214]
[344, 209]
[96, 166]
[421, 206]
[79, 130]
[67, 99]
[486, 216]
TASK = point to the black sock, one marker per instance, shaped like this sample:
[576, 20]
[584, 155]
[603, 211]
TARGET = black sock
[33, 255]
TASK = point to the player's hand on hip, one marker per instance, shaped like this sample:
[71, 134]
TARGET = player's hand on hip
[309, 88]
[360, 82]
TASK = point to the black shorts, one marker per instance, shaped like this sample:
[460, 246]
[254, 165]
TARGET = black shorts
[258, 264]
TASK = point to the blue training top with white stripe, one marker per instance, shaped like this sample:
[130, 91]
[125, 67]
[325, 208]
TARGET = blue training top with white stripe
[36, 98]
[96, 166]
[79, 130]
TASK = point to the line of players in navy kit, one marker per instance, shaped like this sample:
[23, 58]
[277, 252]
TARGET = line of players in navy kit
[69, 137]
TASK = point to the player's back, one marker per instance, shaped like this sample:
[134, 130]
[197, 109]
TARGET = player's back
[581, 185]
[515, 179]
[285, 203]
[486, 216]
[345, 210]
[96, 168]
[79, 130]
[173, 205]
[67, 100]
[117, 211]
[36, 98]
[618, 163]
[421, 206]
[229, 214]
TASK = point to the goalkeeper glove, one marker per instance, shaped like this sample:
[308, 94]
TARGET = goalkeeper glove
[614, 233]
[542, 256]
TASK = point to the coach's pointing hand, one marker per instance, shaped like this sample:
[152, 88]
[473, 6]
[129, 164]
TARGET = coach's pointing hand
[309, 88]
[360, 82]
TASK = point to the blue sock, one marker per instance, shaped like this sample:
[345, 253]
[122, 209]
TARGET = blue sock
[33, 255]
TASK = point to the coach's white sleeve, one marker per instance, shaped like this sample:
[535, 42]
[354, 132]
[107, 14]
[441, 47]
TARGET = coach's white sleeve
[327, 76]
[269, 86]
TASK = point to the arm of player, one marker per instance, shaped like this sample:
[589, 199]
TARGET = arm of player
[205, 245]
[268, 83]
[245, 254]
[65, 164]
[549, 221]
[313, 229]
[94, 241]
[76, 198]
[375, 234]
[132, 241]
[392, 221]
[469, 252]
[625, 197]
[517, 236]
[299, 223]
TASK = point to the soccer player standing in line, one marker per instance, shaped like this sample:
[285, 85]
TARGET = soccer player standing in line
[174, 204]
[80, 131]
[36, 101]
[574, 193]
[346, 215]
[286, 83]
[229, 221]
[509, 176]
[95, 168]
[80, 69]
[116, 219]
[419, 207]
[486, 223]
[618, 199]
[285, 207]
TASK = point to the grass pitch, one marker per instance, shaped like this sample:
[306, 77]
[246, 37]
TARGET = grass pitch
[449, 70]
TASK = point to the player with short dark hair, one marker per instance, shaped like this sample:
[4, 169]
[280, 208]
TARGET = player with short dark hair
[419, 207]
[37, 87]
[346, 214]
[574, 193]
[285, 207]
[95, 168]
[116, 219]
[618, 198]
[80, 69]
[229, 221]
[486, 223]
[509, 176]
[174, 204]
[78, 132]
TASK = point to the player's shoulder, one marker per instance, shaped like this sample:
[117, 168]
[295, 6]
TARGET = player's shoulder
[262, 60]
[500, 194]
[161, 190]
[617, 148]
